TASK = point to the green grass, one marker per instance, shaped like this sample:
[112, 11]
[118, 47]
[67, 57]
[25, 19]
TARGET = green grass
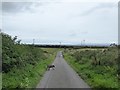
[0, 81]
[97, 76]
[26, 77]
[23, 65]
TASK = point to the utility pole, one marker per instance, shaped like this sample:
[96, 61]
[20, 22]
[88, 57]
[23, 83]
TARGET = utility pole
[33, 41]
[81, 43]
[84, 42]
[60, 44]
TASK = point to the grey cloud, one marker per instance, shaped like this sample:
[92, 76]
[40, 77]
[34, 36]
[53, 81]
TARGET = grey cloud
[16, 7]
[119, 4]
[119, 23]
[99, 6]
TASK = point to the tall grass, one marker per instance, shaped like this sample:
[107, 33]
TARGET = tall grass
[97, 67]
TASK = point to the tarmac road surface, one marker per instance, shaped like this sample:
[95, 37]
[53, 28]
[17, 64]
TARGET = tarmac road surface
[63, 76]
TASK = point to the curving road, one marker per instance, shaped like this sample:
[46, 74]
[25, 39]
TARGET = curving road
[62, 77]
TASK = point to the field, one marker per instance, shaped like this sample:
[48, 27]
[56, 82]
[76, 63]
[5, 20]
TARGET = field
[23, 65]
[98, 67]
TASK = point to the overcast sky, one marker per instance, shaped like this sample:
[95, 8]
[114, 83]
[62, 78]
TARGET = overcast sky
[69, 22]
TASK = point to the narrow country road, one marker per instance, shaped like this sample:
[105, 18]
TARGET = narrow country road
[62, 77]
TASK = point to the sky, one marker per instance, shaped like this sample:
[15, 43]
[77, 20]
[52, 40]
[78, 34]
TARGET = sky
[65, 21]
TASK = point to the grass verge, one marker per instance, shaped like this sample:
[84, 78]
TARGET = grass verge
[97, 77]
[28, 76]
[0, 81]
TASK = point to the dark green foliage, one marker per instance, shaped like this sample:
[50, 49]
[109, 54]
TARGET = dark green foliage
[22, 65]
[15, 55]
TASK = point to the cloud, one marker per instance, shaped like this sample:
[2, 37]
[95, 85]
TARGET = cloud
[56, 25]
[97, 7]
[119, 23]
[16, 7]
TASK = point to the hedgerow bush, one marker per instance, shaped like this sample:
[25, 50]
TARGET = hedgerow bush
[16, 55]
[22, 65]
[98, 67]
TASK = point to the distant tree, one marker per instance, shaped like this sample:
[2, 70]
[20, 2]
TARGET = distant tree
[113, 45]
[15, 38]
[18, 42]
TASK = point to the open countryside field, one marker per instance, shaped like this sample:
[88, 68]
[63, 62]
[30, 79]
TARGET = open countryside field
[59, 44]
[24, 66]
[98, 67]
